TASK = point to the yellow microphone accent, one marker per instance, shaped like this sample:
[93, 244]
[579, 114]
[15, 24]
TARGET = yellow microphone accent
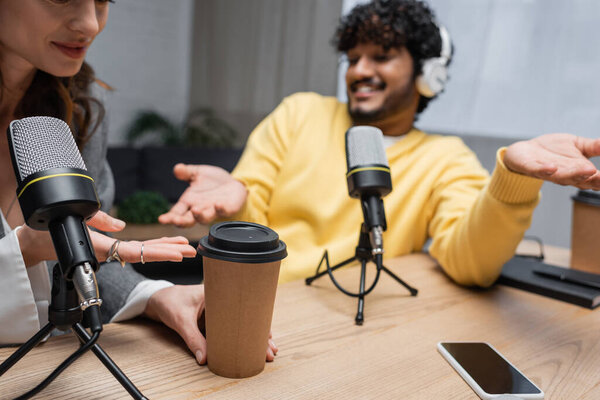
[384, 169]
[53, 176]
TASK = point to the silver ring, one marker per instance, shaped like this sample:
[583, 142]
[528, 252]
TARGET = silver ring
[113, 253]
[142, 254]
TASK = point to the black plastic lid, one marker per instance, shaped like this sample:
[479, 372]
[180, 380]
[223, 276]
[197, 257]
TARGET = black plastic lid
[244, 242]
[587, 197]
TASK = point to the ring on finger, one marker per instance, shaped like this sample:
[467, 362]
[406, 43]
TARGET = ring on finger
[113, 253]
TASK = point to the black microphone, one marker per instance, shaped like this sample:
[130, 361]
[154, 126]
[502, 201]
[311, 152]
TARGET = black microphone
[57, 194]
[369, 178]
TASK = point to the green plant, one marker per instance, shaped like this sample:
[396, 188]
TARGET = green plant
[201, 128]
[151, 122]
[143, 207]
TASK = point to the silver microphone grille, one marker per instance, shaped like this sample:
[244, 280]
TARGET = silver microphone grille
[364, 146]
[42, 143]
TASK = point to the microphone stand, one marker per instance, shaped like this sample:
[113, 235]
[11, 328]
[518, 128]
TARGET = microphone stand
[64, 312]
[364, 254]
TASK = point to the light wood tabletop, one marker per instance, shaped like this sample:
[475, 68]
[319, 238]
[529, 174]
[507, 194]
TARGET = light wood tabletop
[324, 355]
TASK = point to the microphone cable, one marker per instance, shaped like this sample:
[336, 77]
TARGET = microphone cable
[378, 263]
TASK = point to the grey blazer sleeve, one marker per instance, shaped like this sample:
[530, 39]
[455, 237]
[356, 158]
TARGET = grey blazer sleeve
[114, 283]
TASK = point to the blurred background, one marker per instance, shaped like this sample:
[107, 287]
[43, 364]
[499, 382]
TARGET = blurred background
[192, 78]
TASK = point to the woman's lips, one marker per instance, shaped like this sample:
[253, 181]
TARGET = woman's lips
[72, 50]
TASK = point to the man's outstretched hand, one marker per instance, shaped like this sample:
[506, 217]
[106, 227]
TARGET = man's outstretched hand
[557, 157]
[213, 193]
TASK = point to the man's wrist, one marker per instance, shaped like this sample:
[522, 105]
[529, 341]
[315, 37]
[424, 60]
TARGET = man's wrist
[506, 162]
[512, 187]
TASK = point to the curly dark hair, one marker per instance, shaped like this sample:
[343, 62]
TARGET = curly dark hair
[393, 24]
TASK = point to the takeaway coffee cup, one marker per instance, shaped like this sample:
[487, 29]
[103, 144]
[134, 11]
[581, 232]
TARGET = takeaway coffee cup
[585, 232]
[241, 268]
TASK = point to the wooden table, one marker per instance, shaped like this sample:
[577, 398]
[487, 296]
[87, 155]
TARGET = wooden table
[323, 355]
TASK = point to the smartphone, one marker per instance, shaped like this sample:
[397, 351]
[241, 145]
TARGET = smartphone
[488, 373]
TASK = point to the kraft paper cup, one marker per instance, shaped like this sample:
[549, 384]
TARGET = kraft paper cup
[585, 245]
[241, 268]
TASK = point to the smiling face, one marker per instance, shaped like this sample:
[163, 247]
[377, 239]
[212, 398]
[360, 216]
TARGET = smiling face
[51, 35]
[380, 83]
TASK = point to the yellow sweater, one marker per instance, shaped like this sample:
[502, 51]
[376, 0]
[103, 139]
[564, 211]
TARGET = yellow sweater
[294, 168]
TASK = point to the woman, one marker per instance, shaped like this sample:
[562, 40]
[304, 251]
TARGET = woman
[42, 72]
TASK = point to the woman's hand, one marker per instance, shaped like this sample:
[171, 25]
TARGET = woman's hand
[36, 246]
[180, 308]
[163, 249]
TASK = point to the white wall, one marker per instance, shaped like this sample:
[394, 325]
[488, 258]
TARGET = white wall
[145, 53]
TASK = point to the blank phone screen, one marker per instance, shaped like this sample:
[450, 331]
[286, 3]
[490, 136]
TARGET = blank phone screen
[489, 369]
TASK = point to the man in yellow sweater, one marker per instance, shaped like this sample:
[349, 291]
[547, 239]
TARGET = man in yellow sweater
[291, 176]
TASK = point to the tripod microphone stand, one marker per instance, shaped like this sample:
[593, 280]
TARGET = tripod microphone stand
[64, 312]
[364, 254]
